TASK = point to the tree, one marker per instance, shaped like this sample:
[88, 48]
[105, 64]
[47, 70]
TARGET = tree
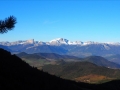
[7, 24]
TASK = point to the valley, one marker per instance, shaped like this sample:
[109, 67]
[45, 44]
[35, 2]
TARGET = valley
[88, 73]
[93, 69]
[89, 62]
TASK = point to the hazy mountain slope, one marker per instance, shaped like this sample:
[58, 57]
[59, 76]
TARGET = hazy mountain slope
[53, 56]
[94, 49]
[114, 58]
[5, 48]
[45, 49]
[34, 59]
[29, 56]
[56, 56]
[31, 48]
[19, 47]
[100, 61]
[41, 59]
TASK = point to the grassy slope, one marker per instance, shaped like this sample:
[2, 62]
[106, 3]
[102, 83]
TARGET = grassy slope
[76, 70]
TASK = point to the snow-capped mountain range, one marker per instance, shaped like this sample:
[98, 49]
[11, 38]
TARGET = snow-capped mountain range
[57, 42]
[62, 46]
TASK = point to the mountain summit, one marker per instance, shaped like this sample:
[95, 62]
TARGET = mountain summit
[59, 41]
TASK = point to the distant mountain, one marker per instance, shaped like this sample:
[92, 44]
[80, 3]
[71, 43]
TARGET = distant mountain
[56, 42]
[95, 50]
[30, 48]
[41, 59]
[114, 58]
[22, 54]
[64, 47]
[47, 55]
[29, 56]
[5, 48]
[100, 61]
[57, 56]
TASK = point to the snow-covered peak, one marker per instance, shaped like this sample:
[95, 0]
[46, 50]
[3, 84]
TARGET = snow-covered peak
[59, 41]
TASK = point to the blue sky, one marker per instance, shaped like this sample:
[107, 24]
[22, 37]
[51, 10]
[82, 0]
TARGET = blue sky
[44, 20]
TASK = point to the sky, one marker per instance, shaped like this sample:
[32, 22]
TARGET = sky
[75, 20]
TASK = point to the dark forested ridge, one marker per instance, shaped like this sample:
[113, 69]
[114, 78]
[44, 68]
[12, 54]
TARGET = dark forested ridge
[16, 74]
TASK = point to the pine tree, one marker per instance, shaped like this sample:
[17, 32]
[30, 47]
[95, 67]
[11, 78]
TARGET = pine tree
[7, 24]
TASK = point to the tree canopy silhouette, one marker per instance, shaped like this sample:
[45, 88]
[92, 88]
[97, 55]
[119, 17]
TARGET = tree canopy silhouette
[7, 24]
